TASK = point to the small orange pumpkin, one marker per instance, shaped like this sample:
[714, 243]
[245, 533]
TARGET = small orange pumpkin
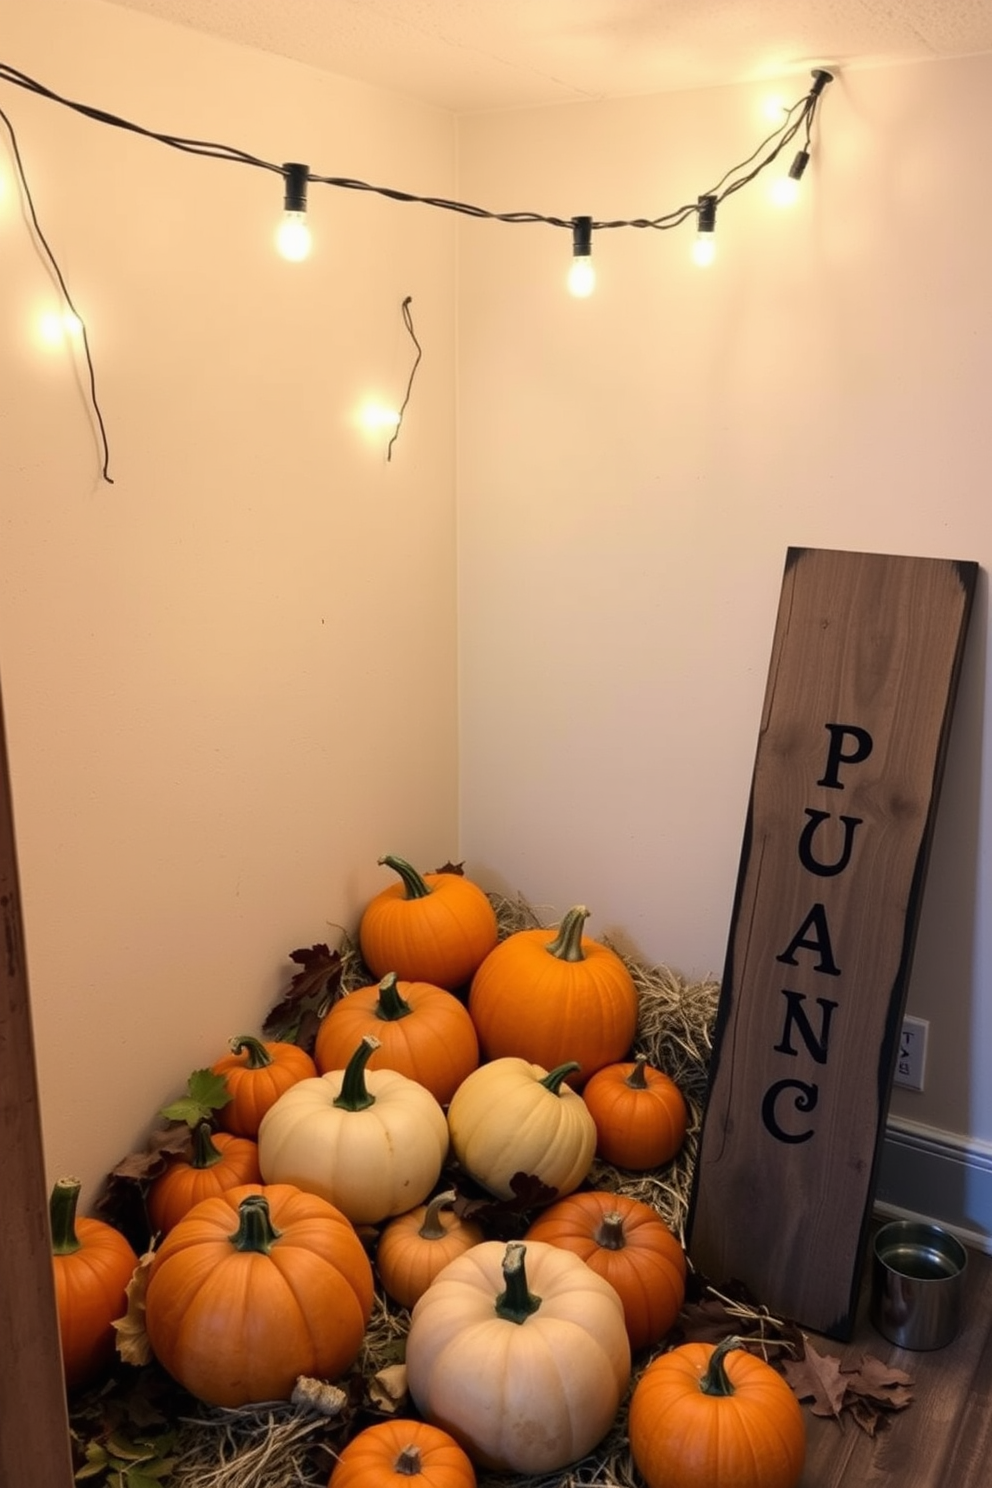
[255, 1287]
[431, 927]
[630, 1246]
[398, 1451]
[257, 1073]
[551, 995]
[640, 1115]
[92, 1265]
[414, 1247]
[424, 1032]
[217, 1162]
[701, 1415]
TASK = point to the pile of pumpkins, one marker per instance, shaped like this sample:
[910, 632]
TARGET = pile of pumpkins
[519, 1355]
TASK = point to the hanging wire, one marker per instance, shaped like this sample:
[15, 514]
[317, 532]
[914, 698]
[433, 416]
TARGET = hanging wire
[67, 297]
[408, 322]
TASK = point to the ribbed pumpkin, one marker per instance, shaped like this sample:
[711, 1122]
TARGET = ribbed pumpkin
[630, 1246]
[257, 1072]
[424, 1032]
[92, 1265]
[431, 927]
[218, 1161]
[702, 1415]
[402, 1452]
[370, 1142]
[414, 1247]
[552, 995]
[640, 1115]
[252, 1289]
[511, 1116]
[525, 1367]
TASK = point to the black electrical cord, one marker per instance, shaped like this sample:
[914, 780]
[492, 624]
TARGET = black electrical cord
[408, 322]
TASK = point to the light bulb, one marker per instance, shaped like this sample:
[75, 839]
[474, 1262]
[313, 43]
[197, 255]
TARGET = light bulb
[581, 277]
[56, 326]
[376, 416]
[704, 250]
[293, 232]
[581, 274]
[785, 190]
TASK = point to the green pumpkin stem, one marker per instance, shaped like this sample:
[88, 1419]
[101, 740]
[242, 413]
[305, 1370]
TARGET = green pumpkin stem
[567, 944]
[62, 1216]
[517, 1303]
[556, 1078]
[611, 1234]
[637, 1080]
[205, 1151]
[391, 1005]
[255, 1231]
[355, 1094]
[432, 1228]
[715, 1380]
[412, 881]
[258, 1055]
[409, 1463]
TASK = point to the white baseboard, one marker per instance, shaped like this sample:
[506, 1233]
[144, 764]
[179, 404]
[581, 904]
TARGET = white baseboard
[930, 1174]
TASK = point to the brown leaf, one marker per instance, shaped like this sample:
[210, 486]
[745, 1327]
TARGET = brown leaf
[458, 868]
[886, 1386]
[817, 1377]
[165, 1142]
[132, 1340]
[316, 983]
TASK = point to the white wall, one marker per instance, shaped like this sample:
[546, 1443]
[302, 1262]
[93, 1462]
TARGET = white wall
[229, 678]
[633, 468]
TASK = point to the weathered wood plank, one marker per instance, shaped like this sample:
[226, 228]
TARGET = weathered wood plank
[864, 664]
[34, 1425]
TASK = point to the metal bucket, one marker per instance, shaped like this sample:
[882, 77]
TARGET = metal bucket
[917, 1284]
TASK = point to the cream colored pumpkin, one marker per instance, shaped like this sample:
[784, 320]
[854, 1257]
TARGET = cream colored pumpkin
[370, 1142]
[520, 1352]
[510, 1116]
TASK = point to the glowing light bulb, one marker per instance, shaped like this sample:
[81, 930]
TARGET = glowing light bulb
[55, 326]
[293, 233]
[581, 274]
[377, 416]
[774, 108]
[785, 191]
[704, 248]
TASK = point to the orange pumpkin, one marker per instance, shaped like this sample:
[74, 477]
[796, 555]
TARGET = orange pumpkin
[217, 1162]
[640, 1115]
[257, 1073]
[398, 1451]
[630, 1246]
[431, 927]
[92, 1265]
[414, 1247]
[255, 1287]
[553, 995]
[701, 1415]
[424, 1032]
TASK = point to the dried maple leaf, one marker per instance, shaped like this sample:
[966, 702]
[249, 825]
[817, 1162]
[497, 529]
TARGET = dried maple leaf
[316, 984]
[458, 868]
[818, 1378]
[880, 1383]
[132, 1340]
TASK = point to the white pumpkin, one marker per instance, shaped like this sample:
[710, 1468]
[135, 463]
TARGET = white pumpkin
[525, 1368]
[371, 1142]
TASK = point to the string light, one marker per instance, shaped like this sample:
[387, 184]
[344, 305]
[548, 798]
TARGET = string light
[785, 191]
[704, 248]
[293, 233]
[581, 273]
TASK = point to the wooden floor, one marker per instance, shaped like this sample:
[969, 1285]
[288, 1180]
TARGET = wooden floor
[943, 1439]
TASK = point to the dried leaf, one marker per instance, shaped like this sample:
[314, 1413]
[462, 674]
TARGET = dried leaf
[166, 1142]
[882, 1383]
[458, 868]
[505, 1218]
[132, 1340]
[387, 1388]
[817, 1377]
[316, 984]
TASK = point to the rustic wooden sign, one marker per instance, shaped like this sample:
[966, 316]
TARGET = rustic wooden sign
[864, 667]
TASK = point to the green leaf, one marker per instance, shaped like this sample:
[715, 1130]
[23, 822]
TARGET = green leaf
[141, 1477]
[205, 1094]
[96, 1462]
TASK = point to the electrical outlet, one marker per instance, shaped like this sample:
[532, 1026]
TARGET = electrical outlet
[912, 1061]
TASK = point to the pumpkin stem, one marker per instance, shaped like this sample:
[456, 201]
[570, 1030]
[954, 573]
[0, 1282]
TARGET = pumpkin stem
[516, 1303]
[255, 1231]
[258, 1054]
[62, 1216]
[432, 1228]
[555, 1079]
[391, 1005]
[715, 1380]
[611, 1234]
[637, 1079]
[567, 944]
[205, 1150]
[355, 1094]
[412, 881]
[409, 1463]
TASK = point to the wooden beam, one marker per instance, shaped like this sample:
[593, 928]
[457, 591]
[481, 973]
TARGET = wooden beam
[34, 1423]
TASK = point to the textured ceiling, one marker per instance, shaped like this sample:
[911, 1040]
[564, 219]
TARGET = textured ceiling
[468, 55]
